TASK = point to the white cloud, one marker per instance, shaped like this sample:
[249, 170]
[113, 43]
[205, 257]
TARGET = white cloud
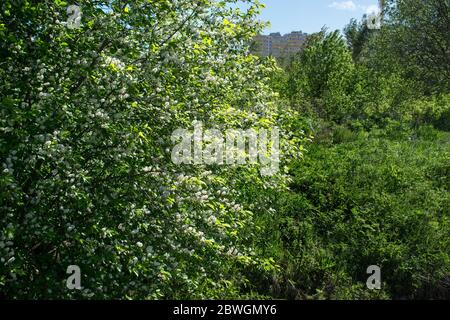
[372, 9]
[352, 6]
[344, 5]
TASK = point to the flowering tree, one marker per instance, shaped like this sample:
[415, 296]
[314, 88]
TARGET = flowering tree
[85, 143]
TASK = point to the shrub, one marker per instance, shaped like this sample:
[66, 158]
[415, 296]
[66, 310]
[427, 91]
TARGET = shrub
[86, 122]
[371, 201]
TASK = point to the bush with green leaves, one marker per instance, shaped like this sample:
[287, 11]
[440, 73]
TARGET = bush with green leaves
[373, 200]
[85, 145]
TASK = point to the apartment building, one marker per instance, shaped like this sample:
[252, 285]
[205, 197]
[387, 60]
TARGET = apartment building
[278, 45]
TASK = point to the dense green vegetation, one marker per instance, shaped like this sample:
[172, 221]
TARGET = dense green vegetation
[373, 187]
[359, 199]
[86, 121]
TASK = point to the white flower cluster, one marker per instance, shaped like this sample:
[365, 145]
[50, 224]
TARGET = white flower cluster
[114, 62]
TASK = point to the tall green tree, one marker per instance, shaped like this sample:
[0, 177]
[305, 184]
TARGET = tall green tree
[417, 34]
[322, 74]
[357, 34]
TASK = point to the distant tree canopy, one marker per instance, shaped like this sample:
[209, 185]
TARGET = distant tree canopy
[357, 34]
[404, 61]
[420, 38]
[415, 36]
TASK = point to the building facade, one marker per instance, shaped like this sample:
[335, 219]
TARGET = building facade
[278, 45]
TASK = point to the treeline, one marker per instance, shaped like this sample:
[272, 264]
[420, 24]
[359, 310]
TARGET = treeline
[398, 72]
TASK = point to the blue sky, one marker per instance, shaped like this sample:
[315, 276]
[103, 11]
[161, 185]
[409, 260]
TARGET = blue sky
[311, 15]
